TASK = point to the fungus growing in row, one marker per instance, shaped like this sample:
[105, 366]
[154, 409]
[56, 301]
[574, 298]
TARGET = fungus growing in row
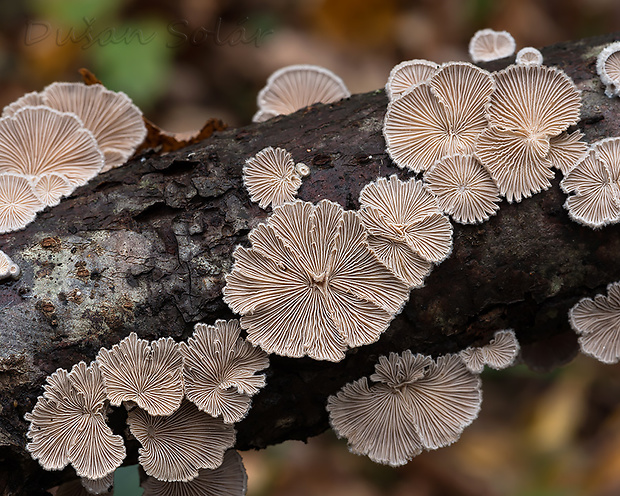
[530, 105]
[309, 285]
[176, 447]
[50, 188]
[219, 370]
[68, 424]
[608, 68]
[415, 404]
[596, 184]
[271, 177]
[149, 375]
[438, 118]
[597, 322]
[487, 45]
[8, 268]
[407, 74]
[464, 188]
[18, 203]
[229, 479]
[406, 229]
[297, 86]
[500, 353]
[529, 55]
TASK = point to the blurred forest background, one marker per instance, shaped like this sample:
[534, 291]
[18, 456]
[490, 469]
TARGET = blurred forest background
[184, 61]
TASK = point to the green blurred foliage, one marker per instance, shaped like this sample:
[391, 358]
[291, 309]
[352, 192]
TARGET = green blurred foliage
[127, 481]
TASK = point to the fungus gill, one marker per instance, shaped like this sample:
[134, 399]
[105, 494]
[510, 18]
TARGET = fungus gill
[18, 202]
[608, 68]
[407, 74]
[529, 55]
[487, 45]
[500, 353]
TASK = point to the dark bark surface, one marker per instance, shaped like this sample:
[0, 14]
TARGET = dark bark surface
[145, 248]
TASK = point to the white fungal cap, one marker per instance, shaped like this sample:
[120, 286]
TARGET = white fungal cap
[464, 188]
[18, 203]
[441, 117]
[597, 321]
[608, 68]
[176, 447]
[41, 140]
[28, 100]
[302, 169]
[98, 486]
[500, 353]
[529, 55]
[8, 268]
[407, 74]
[68, 424]
[263, 115]
[271, 177]
[416, 404]
[149, 375]
[229, 479]
[114, 120]
[596, 183]
[566, 151]
[297, 86]
[219, 370]
[487, 45]
[50, 188]
[310, 285]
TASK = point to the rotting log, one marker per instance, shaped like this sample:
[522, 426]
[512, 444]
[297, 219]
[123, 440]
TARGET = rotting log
[145, 248]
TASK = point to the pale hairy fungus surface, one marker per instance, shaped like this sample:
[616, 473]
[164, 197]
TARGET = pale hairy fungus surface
[464, 189]
[68, 424]
[500, 353]
[407, 74]
[437, 118]
[176, 447]
[414, 403]
[219, 370]
[149, 375]
[297, 86]
[18, 202]
[51, 188]
[271, 177]
[608, 68]
[488, 44]
[597, 322]
[310, 285]
[529, 55]
[229, 479]
[8, 268]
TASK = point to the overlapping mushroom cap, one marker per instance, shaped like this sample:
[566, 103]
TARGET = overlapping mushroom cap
[438, 118]
[487, 45]
[50, 188]
[310, 285]
[68, 424]
[597, 321]
[219, 370]
[407, 74]
[595, 180]
[297, 86]
[18, 202]
[500, 353]
[608, 68]
[415, 403]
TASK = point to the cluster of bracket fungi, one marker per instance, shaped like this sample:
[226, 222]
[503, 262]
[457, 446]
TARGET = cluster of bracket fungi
[317, 279]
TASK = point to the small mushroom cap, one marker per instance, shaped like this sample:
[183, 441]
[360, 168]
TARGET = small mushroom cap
[271, 177]
[487, 45]
[408, 74]
[608, 68]
[302, 169]
[502, 351]
[50, 188]
[8, 268]
[297, 86]
[33, 99]
[473, 358]
[18, 203]
[597, 321]
[229, 479]
[566, 151]
[529, 55]
[176, 447]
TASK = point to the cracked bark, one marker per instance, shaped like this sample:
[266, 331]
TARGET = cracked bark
[145, 248]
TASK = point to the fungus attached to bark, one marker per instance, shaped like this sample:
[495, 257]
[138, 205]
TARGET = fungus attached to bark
[597, 321]
[310, 285]
[18, 203]
[464, 188]
[500, 353]
[438, 118]
[415, 403]
[149, 375]
[176, 447]
[8, 268]
[219, 370]
[50, 188]
[297, 86]
[68, 424]
[487, 45]
[271, 177]
[407, 74]
[529, 55]
[608, 68]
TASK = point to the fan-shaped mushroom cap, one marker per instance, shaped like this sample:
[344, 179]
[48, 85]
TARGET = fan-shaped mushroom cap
[500, 353]
[8, 268]
[50, 188]
[416, 404]
[596, 183]
[271, 177]
[68, 424]
[176, 447]
[219, 370]
[487, 45]
[28, 100]
[18, 203]
[608, 68]
[310, 285]
[529, 55]
[464, 188]
[98, 486]
[597, 321]
[297, 86]
[438, 118]
[229, 479]
[407, 74]
[149, 375]
[566, 151]
[41, 140]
